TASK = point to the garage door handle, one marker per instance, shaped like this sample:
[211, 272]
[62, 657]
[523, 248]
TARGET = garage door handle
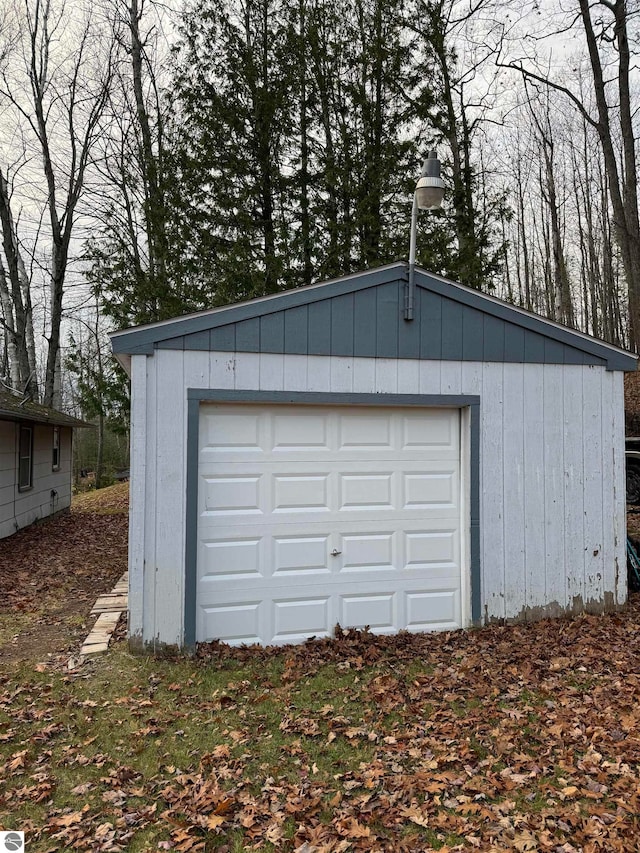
[335, 553]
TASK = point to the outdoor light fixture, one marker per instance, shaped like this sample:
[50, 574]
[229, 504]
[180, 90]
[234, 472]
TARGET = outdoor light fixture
[428, 195]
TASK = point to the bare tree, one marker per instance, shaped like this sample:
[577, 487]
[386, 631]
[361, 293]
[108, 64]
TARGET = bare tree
[560, 298]
[151, 135]
[15, 297]
[605, 27]
[58, 88]
[130, 202]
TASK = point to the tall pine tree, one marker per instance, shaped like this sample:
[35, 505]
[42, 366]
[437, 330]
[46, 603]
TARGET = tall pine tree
[234, 114]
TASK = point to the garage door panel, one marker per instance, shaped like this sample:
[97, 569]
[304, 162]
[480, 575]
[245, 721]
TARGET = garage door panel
[225, 559]
[222, 432]
[430, 489]
[299, 493]
[242, 556]
[227, 432]
[235, 622]
[377, 610]
[233, 495]
[427, 548]
[433, 610]
[296, 619]
[212, 523]
[277, 617]
[236, 560]
[312, 516]
[369, 552]
[213, 589]
[366, 491]
[296, 432]
[301, 555]
[315, 490]
[435, 430]
[364, 432]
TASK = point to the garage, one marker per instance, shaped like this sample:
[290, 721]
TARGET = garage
[310, 516]
[321, 456]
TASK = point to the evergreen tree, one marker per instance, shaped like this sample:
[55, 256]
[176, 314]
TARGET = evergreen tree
[234, 114]
[294, 151]
[287, 151]
[360, 65]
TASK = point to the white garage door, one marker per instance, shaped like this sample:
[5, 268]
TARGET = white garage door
[312, 515]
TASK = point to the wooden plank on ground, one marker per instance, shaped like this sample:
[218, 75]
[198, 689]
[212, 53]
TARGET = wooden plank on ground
[109, 609]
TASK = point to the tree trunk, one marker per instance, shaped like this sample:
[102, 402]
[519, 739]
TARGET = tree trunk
[155, 216]
[305, 220]
[18, 321]
[8, 324]
[623, 193]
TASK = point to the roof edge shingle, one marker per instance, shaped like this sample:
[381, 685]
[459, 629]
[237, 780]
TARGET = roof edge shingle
[15, 408]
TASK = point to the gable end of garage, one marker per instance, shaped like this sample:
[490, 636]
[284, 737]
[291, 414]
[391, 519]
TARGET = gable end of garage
[363, 316]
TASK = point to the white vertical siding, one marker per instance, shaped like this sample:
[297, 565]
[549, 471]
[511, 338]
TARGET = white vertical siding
[295, 373]
[319, 373]
[408, 376]
[616, 448]
[573, 467]
[221, 369]
[341, 374]
[513, 484]
[492, 549]
[137, 494]
[552, 527]
[246, 372]
[162, 464]
[271, 372]
[593, 530]
[429, 372]
[386, 376]
[535, 485]
[151, 468]
[553, 448]
[170, 494]
[609, 508]
[364, 375]
[450, 377]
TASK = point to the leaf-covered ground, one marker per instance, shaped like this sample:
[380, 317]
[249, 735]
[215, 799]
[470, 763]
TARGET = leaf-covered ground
[507, 738]
[52, 572]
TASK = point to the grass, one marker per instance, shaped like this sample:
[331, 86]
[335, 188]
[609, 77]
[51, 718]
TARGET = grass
[11, 624]
[109, 501]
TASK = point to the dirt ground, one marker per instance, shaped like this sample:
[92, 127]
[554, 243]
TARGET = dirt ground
[52, 572]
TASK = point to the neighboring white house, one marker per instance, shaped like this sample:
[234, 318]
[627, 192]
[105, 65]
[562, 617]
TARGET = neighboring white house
[35, 462]
[314, 457]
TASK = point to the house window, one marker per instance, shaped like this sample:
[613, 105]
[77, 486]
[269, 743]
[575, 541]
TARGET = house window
[55, 461]
[25, 472]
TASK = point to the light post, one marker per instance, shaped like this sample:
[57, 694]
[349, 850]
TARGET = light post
[428, 195]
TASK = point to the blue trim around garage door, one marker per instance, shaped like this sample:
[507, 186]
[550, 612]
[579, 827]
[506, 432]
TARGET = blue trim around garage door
[195, 396]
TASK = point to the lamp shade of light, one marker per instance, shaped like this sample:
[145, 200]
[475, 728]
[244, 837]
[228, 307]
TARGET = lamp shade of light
[429, 192]
[430, 187]
[428, 195]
